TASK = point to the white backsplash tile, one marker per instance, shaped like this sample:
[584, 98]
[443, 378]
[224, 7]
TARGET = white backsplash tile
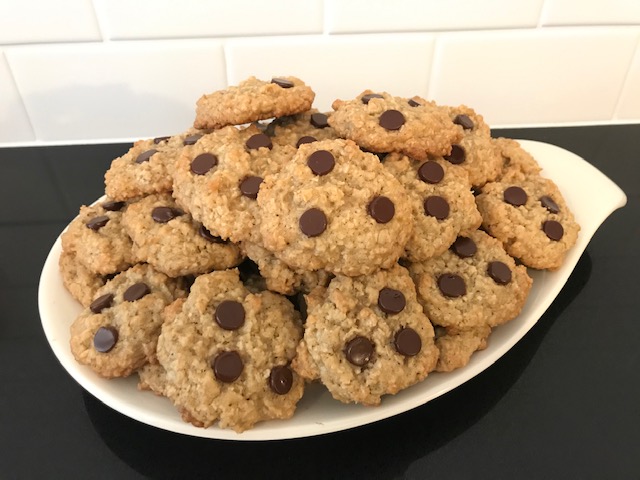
[14, 122]
[337, 66]
[115, 90]
[139, 19]
[534, 76]
[426, 15]
[591, 12]
[31, 21]
[629, 102]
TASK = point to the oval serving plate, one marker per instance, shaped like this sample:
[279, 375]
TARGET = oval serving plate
[318, 413]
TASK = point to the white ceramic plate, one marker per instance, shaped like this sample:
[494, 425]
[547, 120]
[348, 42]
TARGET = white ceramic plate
[591, 196]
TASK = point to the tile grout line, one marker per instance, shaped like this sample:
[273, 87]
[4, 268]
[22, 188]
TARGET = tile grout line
[98, 12]
[617, 106]
[22, 102]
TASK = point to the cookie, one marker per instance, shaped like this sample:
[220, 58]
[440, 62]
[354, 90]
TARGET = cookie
[476, 151]
[253, 100]
[295, 130]
[118, 332]
[442, 203]
[98, 239]
[169, 239]
[457, 346]
[531, 219]
[226, 355]
[334, 207]
[147, 167]
[472, 285]
[280, 277]
[366, 337]
[79, 281]
[380, 122]
[517, 163]
[207, 181]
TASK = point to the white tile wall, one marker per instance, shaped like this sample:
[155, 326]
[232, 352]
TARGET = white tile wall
[629, 101]
[14, 122]
[107, 70]
[338, 67]
[115, 90]
[419, 15]
[141, 19]
[591, 12]
[529, 76]
[31, 21]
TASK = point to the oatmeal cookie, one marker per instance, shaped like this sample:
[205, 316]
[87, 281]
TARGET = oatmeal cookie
[334, 207]
[366, 337]
[227, 353]
[252, 100]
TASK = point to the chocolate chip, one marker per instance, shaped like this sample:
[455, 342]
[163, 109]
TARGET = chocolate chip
[548, 203]
[250, 187]
[431, 172]
[192, 139]
[436, 207]
[305, 139]
[259, 140]
[464, 121]
[281, 379]
[457, 155]
[391, 120]
[313, 222]
[408, 342]
[203, 163]
[553, 230]
[500, 272]
[451, 285]
[391, 301]
[230, 315]
[102, 302]
[321, 162]
[359, 351]
[136, 292]
[105, 339]
[206, 234]
[227, 366]
[464, 247]
[319, 120]
[365, 98]
[282, 82]
[381, 209]
[96, 223]
[413, 103]
[145, 156]
[112, 205]
[515, 196]
[165, 214]
[157, 140]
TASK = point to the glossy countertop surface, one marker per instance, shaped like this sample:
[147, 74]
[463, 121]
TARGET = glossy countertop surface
[563, 403]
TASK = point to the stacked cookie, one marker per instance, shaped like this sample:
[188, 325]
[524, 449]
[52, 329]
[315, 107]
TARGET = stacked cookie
[363, 248]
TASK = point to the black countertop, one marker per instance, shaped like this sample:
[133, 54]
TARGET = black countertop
[563, 403]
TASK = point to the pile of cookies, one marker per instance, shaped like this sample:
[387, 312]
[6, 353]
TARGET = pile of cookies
[273, 245]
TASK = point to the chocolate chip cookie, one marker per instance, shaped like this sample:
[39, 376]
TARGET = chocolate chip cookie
[252, 100]
[168, 238]
[117, 333]
[380, 122]
[473, 284]
[334, 207]
[442, 203]
[98, 239]
[227, 355]
[366, 337]
[531, 219]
